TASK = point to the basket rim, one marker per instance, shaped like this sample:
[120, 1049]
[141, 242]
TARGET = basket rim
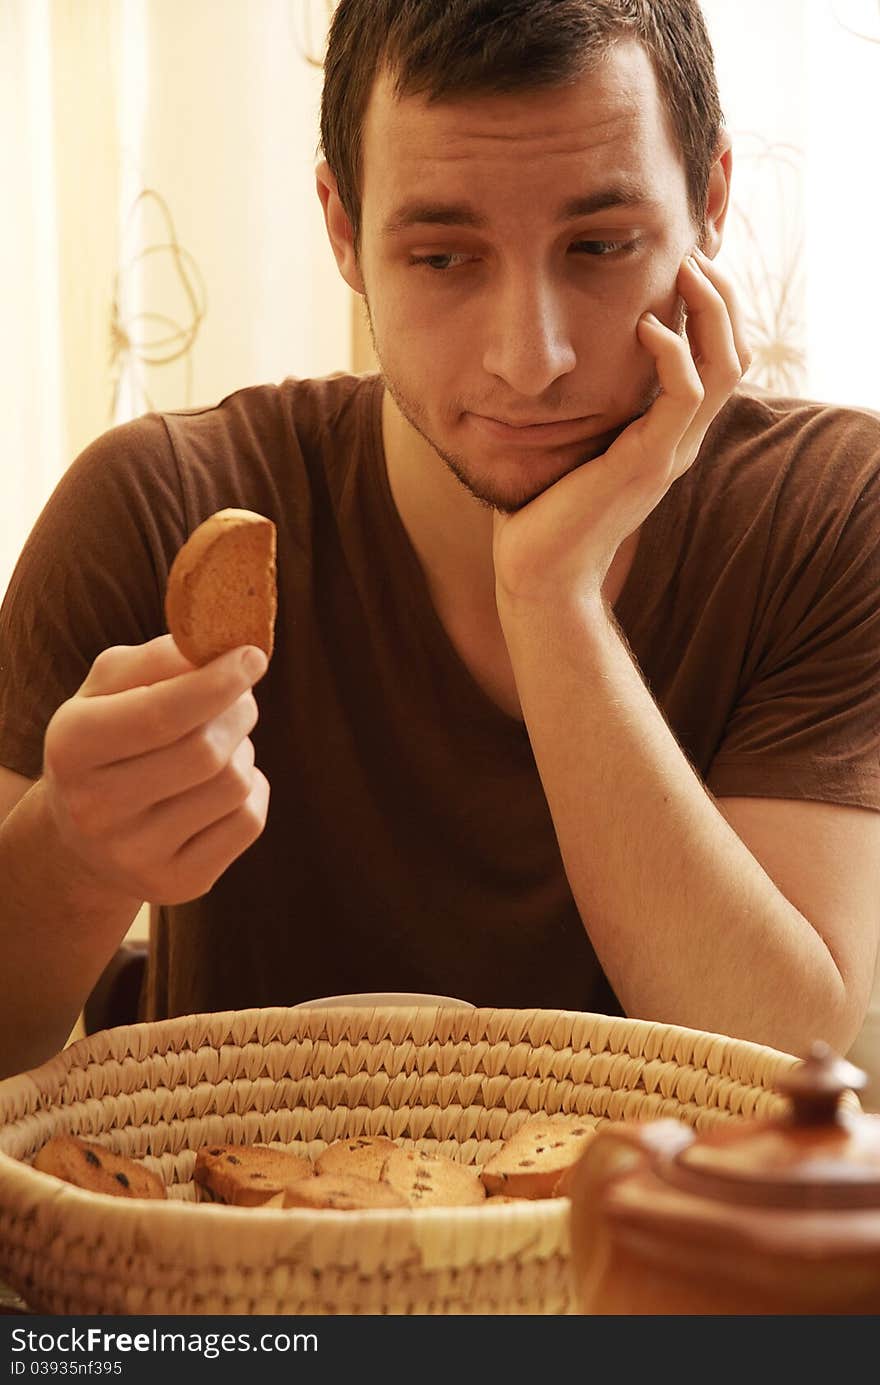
[81, 1052]
[44, 1089]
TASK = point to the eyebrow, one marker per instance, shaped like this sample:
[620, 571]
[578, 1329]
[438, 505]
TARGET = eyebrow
[420, 213]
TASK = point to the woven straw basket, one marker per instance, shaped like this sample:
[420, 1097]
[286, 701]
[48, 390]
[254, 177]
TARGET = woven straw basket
[454, 1081]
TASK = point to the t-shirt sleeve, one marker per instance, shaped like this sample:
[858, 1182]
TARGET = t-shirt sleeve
[92, 574]
[806, 723]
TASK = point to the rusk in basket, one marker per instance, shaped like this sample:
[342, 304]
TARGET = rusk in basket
[454, 1081]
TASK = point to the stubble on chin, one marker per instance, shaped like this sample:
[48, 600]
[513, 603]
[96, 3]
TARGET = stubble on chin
[483, 492]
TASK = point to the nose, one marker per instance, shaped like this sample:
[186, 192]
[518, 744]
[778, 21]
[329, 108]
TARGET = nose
[528, 342]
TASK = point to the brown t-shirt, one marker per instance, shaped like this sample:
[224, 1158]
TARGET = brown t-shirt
[409, 845]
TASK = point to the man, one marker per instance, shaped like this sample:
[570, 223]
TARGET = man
[575, 693]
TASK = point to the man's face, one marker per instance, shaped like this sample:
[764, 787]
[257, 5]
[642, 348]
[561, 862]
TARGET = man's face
[529, 316]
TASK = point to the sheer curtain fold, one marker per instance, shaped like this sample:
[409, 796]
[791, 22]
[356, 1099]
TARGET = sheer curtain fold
[161, 242]
[800, 88]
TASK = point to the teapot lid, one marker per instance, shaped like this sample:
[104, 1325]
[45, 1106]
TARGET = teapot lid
[820, 1155]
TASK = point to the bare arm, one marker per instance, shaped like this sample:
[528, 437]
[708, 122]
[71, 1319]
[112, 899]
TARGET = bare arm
[716, 916]
[688, 924]
[58, 929]
[149, 791]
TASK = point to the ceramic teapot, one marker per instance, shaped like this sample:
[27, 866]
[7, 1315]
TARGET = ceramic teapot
[768, 1217]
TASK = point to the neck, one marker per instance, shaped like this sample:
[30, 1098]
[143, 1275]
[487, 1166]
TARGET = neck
[449, 530]
[451, 534]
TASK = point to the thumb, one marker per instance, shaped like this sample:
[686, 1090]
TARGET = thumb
[122, 667]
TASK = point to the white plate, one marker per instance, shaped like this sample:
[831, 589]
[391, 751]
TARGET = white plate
[383, 998]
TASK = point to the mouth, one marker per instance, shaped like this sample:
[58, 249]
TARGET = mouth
[531, 434]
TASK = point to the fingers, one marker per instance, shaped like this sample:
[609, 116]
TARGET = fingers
[167, 826]
[113, 726]
[716, 334]
[206, 855]
[710, 333]
[697, 375]
[129, 666]
[179, 848]
[661, 429]
[151, 754]
[129, 787]
[735, 316]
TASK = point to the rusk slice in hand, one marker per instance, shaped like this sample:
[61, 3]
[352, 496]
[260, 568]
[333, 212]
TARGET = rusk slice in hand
[532, 1161]
[222, 589]
[90, 1165]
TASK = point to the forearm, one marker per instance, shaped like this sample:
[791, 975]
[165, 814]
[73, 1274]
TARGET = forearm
[59, 927]
[686, 923]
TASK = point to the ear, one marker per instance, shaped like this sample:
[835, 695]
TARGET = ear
[718, 195]
[338, 227]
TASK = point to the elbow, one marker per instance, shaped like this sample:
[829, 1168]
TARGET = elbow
[835, 1018]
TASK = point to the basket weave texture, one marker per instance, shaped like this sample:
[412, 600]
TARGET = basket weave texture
[453, 1081]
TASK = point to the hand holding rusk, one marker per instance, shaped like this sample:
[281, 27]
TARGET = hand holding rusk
[149, 768]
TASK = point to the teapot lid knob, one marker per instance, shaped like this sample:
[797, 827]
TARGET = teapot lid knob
[816, 1085]
[821, 1155]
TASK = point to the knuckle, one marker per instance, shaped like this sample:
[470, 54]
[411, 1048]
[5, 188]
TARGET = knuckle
[238, 788]
[54, 744]
[107, 660]
[252, 823]
[61, 738]
[254, 811]
[250, 712]
[734, 375]
[106, 668]
[246, 756]
[241, 775]
[230, 783]
[210, 754]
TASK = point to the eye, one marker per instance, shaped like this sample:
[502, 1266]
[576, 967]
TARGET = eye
[440, 264]
[596, 249]
[602, 248]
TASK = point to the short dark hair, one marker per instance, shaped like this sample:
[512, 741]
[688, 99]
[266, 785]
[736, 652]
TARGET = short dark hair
[448, 49]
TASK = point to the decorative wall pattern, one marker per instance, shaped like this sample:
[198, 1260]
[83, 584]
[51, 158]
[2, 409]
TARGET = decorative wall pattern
[859, 17]
[156, 268]
[764, 250]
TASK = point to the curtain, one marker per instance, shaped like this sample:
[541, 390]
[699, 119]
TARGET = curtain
[800, 90]
[161, 242]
